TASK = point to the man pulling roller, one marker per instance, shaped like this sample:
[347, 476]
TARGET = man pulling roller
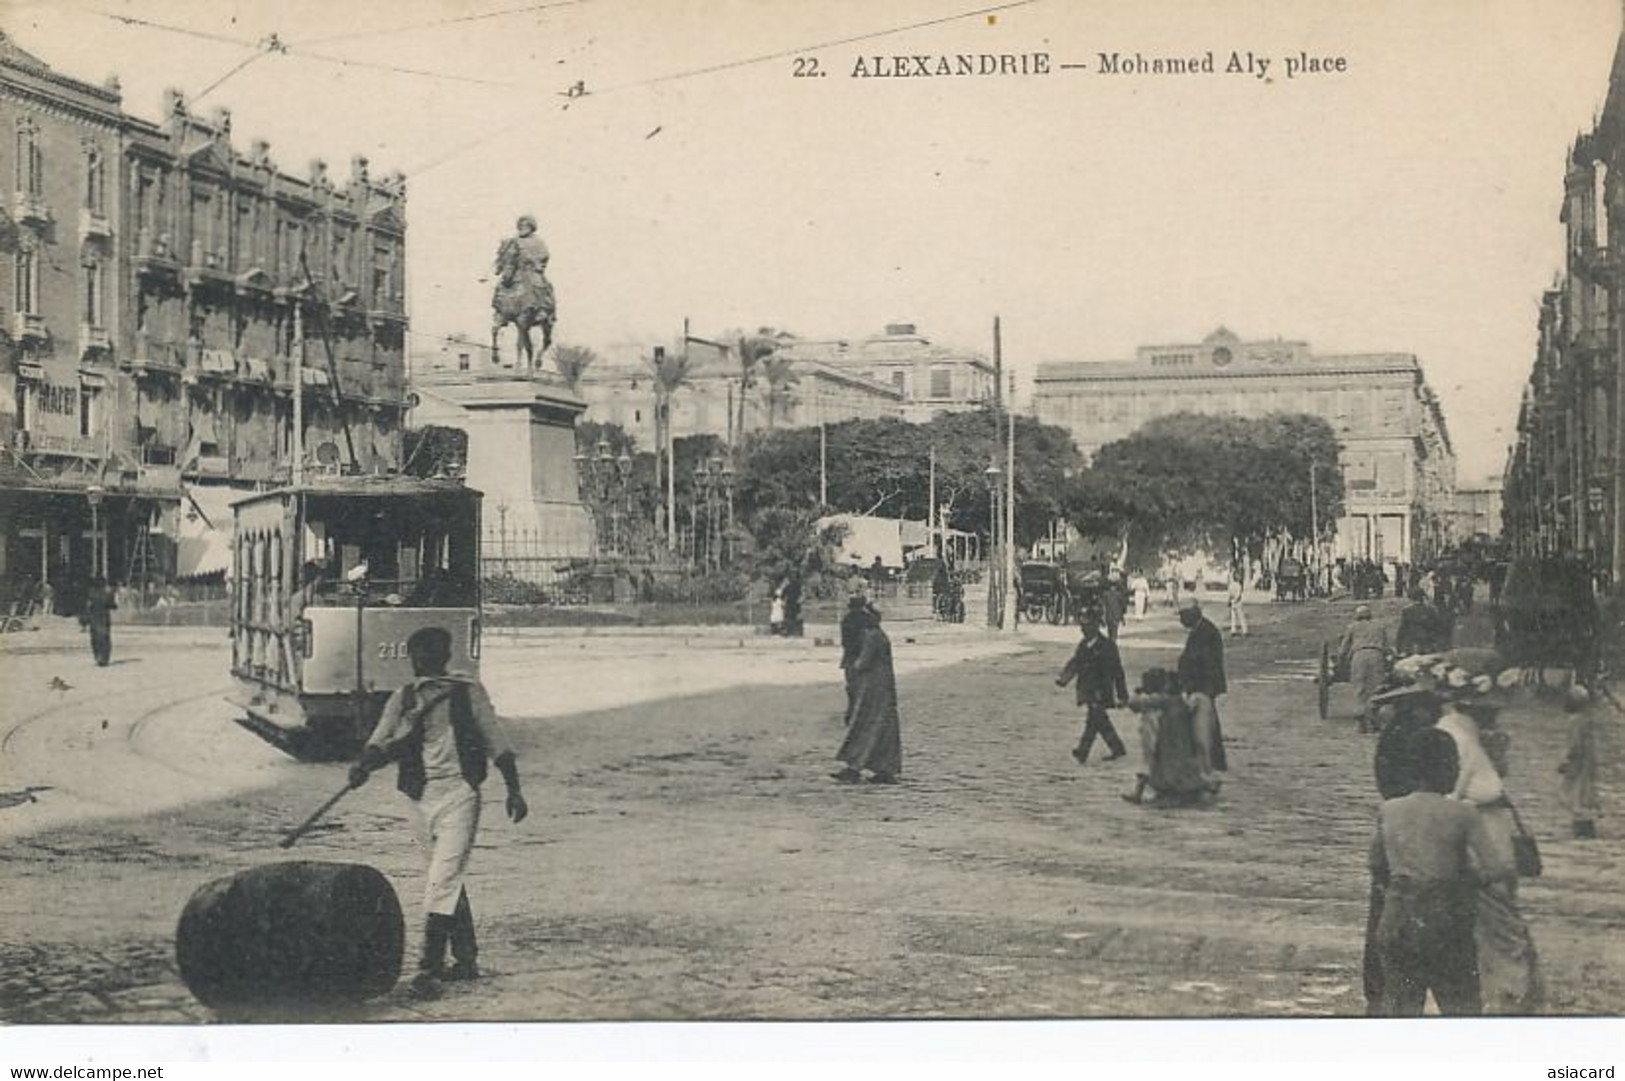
[441, 730]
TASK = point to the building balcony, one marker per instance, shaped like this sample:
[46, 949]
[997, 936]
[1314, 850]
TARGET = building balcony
[254, 282]
[156, 454]
[68, 446]
[154, 255]
[213, 465]
[207, 267]
[94, 341]
[1597, 343]
[1597, 261]
[29, 326]
[212, 362]
[149, 361]
[29, 208]
[94, 225]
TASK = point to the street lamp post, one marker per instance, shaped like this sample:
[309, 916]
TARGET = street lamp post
[98, 550]
[605, 475]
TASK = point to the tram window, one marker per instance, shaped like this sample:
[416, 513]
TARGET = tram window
[418, 552]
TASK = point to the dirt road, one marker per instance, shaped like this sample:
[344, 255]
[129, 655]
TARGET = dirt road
[688, 857]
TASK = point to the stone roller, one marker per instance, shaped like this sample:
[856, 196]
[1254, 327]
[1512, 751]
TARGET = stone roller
[291, 934]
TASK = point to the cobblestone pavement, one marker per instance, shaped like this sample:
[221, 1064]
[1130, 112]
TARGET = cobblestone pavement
[688, 857]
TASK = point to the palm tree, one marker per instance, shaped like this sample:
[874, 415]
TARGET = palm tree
[672, 372]
[573, 361]
[751, 350]
[779, 373]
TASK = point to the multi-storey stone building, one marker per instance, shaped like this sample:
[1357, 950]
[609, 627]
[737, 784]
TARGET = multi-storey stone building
[1398, 464]
[1565, 481]
[619, 389]
[158, 286]
[930, 378]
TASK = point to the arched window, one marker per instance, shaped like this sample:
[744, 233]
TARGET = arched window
[95, 293]
[30, 166]
[27, 278]
[95, 181]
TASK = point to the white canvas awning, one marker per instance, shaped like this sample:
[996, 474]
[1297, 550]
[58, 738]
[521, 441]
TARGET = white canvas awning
[203, 537]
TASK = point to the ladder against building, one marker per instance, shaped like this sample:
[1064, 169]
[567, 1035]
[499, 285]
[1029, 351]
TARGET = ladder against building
[139, 572]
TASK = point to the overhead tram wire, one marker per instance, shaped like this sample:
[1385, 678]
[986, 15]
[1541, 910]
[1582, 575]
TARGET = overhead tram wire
[528, 8]
[234, 69]
[288, 49]
[711, 69]
[131, 20]
[785, 54]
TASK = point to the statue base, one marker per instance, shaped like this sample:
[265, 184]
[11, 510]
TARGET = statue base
[521, 454]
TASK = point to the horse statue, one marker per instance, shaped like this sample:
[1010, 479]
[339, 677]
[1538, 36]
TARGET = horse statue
[523, 296]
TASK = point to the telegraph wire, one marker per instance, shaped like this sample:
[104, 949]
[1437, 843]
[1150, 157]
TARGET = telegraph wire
[784, 54]
[289, 50]
[440, 22]
[447, 76]
[235, 68]
[131, 20]
[580, 90]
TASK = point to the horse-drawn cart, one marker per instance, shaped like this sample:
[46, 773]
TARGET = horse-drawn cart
[1291, 581]
[1044, 593]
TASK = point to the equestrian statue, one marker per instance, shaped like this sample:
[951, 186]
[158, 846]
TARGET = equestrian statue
[523, 296]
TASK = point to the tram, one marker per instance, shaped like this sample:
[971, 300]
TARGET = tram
[330, 578]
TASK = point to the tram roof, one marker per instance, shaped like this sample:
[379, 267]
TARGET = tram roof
[366, 487]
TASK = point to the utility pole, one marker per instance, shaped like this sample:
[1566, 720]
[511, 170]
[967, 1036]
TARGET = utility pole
[1009, 620]
[298, 365]
[1314, 512]
[823, 465]
[998, 585]
[671, 456]
[931, 506]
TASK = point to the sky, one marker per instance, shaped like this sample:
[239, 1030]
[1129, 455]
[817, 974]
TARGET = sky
[1407, 204]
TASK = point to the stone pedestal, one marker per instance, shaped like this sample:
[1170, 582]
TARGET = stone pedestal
[521, 454]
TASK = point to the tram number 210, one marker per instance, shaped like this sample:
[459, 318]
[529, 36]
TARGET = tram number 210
[392, 651]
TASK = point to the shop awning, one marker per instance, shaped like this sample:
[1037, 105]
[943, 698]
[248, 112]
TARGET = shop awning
[203, 538]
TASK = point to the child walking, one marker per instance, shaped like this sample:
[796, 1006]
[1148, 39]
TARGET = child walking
[1101, 684]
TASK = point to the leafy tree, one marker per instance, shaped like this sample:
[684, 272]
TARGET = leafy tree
[435, 450]
[785, 540]
[883, 467]
[1224, 483]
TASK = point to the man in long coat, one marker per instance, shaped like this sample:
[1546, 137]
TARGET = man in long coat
[874, 737]
[97, 618]
[853, 625]
[1201, 679]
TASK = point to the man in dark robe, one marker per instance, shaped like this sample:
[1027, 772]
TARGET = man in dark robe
[874, 740]
[853, 624]
[97, 618]
[1201, 679]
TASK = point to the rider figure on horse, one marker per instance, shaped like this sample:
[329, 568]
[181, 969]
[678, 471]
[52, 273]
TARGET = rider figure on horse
[523, 296]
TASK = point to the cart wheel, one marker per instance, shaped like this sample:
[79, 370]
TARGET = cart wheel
[1325, 680]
